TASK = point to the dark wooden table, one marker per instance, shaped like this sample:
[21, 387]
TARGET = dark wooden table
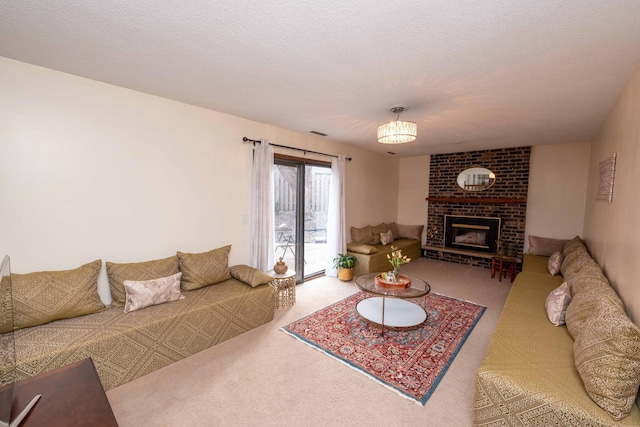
[503, 265]
[71, 396]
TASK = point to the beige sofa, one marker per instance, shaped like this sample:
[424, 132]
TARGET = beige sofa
[223, 302]
[371, 253]
[538, 374]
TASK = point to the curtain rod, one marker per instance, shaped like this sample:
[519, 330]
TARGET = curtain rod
[255, 141]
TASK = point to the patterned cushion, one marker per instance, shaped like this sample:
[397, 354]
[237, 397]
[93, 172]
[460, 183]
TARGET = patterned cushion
[43, 297]
[574, 261]
[409, 231]
[375, 233]
[361, 248]
[553, 265]
[362, 235]
[249, 275]
[205, 268]
[147, 270]
[545, 246]
[145, 293]
[607, 355]
[394, 229]
[6, 318]
[556, 304]
[572, 245]
[386, 238]
[587, 295]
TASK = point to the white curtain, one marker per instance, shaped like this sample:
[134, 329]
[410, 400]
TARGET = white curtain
[262, 213]
[336, 219]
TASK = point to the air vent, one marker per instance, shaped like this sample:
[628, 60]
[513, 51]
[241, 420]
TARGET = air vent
[317, 133]
[391, 152]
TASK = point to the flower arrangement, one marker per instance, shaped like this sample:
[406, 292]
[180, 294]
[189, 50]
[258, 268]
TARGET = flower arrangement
[396, 259]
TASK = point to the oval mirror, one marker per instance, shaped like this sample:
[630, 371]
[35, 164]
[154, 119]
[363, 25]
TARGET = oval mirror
[476, 179]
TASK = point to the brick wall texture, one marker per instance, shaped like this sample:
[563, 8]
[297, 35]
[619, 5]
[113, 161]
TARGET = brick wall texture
[511, 167]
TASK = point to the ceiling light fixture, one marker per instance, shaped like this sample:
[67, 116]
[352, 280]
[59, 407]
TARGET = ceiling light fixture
[397, 132]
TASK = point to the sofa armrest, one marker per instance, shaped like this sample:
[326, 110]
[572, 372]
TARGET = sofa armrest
[249, 275]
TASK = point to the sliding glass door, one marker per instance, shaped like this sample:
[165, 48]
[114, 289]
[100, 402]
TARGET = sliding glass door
[301, 195]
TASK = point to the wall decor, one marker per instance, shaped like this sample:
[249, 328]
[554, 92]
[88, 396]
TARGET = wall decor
[607, 175]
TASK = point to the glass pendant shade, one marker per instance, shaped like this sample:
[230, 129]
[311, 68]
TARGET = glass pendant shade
[397, 131]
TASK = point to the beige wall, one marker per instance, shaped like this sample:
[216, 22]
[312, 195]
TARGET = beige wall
[557, 190]
[90, 170]
[612, 230]
[413, 190]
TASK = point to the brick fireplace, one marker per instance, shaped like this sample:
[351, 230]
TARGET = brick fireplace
[505, 201]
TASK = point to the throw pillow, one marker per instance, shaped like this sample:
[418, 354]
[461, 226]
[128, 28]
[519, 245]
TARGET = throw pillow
[203, 269]
[362, 235]
[556, 304]
[144, 293]
[573, 261]
[409, 231]
[249, 275]
[361, 248]
[147, 270]
[574, 244]
[386, 238]
[43, 297]
[607, 357]
[393, 227]
[375, 233]
[554, 263]
[587, 299]
[545, 246]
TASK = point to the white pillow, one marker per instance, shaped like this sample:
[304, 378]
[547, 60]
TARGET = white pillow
[386, 238]
[554, 263]
[556, 304]
[143, 293]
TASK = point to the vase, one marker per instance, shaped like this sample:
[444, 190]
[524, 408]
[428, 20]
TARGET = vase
[280, 267]
[396, 272]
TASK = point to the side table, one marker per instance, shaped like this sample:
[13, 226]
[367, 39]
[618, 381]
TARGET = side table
[503, 265]
[71, 396]
[285, 286]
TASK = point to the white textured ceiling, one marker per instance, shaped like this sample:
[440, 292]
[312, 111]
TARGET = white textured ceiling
[473, 74]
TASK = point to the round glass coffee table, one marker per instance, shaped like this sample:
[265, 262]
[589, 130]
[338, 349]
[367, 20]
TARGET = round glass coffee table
[388, 306]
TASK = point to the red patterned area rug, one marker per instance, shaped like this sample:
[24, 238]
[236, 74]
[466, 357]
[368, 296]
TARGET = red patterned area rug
[410, 361]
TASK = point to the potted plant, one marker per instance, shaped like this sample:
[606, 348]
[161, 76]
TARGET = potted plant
[344, 263]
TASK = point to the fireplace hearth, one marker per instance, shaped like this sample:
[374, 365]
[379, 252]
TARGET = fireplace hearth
[471, 233]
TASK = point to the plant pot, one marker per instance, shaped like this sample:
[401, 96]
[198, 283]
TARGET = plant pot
[345, 274]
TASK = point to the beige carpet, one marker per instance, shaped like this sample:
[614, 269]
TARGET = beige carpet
[265, 377]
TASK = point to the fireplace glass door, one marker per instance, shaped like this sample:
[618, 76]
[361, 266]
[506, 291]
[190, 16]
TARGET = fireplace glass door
[478, 234]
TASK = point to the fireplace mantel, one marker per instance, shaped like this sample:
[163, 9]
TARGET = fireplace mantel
[478, 200]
